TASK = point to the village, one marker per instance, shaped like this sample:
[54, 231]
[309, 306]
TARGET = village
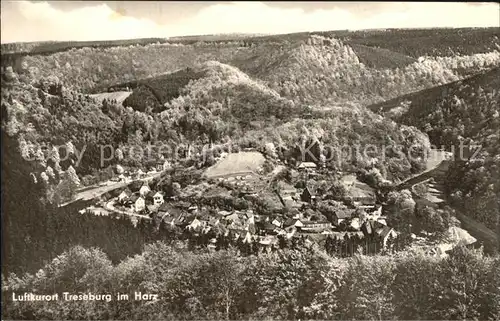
[294, 213]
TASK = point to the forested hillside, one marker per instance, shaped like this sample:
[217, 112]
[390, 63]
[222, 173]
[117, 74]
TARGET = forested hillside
[320, 70]
[461, 113]
[309, 61]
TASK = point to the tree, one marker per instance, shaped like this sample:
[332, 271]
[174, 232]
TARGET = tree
[54, 156]
[270, 150]
[70, 183]
[401, 210]
[176, 189]
[119, 169]
[366, 289]
[119, 154]
[50, 172]
[70, 148]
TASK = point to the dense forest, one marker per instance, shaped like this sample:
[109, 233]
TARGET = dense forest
[464, 113]
[286, 285]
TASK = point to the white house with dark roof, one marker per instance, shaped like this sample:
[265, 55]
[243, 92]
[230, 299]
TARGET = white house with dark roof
[124, 195]
[307, 165]
[144, 189]
[158, 198]
[138, 203]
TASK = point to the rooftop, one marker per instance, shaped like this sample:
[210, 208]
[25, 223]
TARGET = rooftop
[307, 165]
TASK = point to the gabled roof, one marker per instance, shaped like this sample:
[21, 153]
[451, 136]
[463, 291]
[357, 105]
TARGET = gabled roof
[343, 214]
[307, 165]
[311, 190]
[315, 222]
[224, 213]
[213, 221]
[180, 220]
[267, 226]
[385, 231]
[126, 192]
[135, 197]
[169, 219]
[192, 219]
[290, 222]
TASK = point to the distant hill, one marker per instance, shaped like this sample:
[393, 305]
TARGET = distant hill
[226, 92]
[410, 42]
[298, 66]
[438, 107]
[322, 70]
[155, 92]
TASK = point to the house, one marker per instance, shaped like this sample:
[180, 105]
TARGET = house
[307, 165]
[348, 180]
[385, 233]
[140, 173]
[340, 216]
[355, 223]
[224, 213]
[151, 208]
[234, 217]
[169, 220]
[266, 227]
[162, 165]
[181, 221]
[148, 196]
[167, 209]
[368, 227]
[213, 221]
[144, 190]
[124, 196]
[308, 195]
[293, 222]
[247, 238]
[315, 226]
[194, 224]
[158, 198]
[277, 222]
[138, 203]
[290, 231]
[267, 242]
[359, 193]
[374, 213]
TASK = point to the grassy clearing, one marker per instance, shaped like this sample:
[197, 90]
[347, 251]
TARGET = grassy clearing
[236, 164]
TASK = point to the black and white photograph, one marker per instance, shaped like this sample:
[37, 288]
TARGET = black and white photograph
[246, 160]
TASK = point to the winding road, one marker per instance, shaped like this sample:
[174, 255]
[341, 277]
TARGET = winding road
[93, 193]
[110, 207]
[437, 165]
